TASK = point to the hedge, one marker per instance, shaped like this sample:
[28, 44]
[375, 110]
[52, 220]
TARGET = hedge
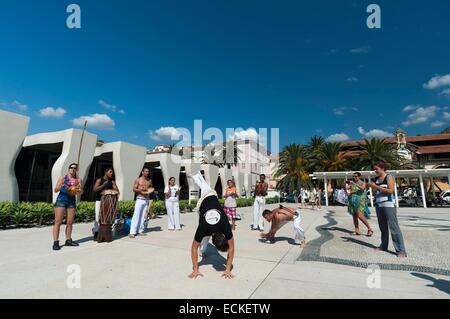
[25, 214]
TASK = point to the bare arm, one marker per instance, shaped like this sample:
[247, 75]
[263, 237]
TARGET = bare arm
[362, 186]
[389, 190]
[59, 184]
[136, 188]
[80, 186]
[97, 186]
[227, 274]
[194, 257]
[273, 228]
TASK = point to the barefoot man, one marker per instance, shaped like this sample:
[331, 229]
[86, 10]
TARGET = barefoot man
[281, 216]
[140, 187]
[213, 222]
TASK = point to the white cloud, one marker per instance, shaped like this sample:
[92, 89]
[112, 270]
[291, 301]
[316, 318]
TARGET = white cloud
[437, 82]
[333, 52]
[111, 107]
[338, 137]
[96, 121]
[15, 104]
[339, 110]
[248, 134]
[169, 133]
[360, 50]
[421, 115]
[52, 112]
[445, 93]
[411, 107]
[375, 133]
[437, 123]
[352, 79]
[343, 109]
[447, 116]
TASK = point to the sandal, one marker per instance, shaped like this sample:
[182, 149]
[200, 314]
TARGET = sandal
[369, 233]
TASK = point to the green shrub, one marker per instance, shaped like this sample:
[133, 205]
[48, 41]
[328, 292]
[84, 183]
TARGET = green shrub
[85, 212]
[6, 213]
[22, 214]
[159, 207]
[273, 200]
[43, 213]
[194, 202]
[126, 208]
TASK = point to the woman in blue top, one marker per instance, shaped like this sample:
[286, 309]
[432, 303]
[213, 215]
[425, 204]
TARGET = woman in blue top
[68, 187]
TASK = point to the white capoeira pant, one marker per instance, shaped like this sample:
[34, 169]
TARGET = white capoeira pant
[173, 214]
[204, 244]
[137, 222]
[205, 189]
[97, 216]
[299, 233]
[258, 208]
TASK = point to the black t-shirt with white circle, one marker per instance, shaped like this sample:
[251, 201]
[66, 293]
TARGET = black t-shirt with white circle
[212, 220]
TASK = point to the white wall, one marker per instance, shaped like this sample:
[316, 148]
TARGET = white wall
[170, 165]
[211, 174]
[71, 142]
[128, 161]
[13, 129]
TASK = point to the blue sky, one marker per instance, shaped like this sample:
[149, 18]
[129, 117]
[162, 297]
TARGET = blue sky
[306, 67]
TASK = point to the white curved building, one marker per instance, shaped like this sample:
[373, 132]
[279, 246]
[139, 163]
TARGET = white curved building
[31, 165]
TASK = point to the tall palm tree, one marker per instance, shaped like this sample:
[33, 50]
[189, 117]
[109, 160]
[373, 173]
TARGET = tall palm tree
[331, 158]
[293, 168]
[316, 142]
[375, 150]
[315, 146]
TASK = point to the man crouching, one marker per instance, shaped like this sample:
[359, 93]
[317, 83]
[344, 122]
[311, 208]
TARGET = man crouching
[281, 216]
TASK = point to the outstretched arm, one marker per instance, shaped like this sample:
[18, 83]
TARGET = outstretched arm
[227, 274]
[273, 229]
[194, 256]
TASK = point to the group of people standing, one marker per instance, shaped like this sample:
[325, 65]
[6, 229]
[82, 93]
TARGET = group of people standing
[69, 186]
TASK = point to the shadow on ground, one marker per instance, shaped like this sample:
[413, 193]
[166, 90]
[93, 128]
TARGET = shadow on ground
[440, 284]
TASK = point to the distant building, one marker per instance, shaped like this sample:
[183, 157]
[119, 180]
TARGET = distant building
[429, 151]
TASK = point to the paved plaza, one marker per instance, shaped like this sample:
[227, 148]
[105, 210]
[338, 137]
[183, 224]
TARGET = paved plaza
[333, 264]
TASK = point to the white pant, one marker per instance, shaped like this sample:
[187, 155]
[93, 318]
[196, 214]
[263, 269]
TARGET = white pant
[201, 183]
[97, 216]
[204, 244]
[173, 214]
[299, 233]
[258, 208]
[137, 222]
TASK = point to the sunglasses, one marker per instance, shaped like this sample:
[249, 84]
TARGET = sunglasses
[73, 167]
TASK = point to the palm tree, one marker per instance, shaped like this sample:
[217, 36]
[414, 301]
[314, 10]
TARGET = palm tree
[316, 142]
[375, 150]
[293, 168]
[314, 146]
[331, 158]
